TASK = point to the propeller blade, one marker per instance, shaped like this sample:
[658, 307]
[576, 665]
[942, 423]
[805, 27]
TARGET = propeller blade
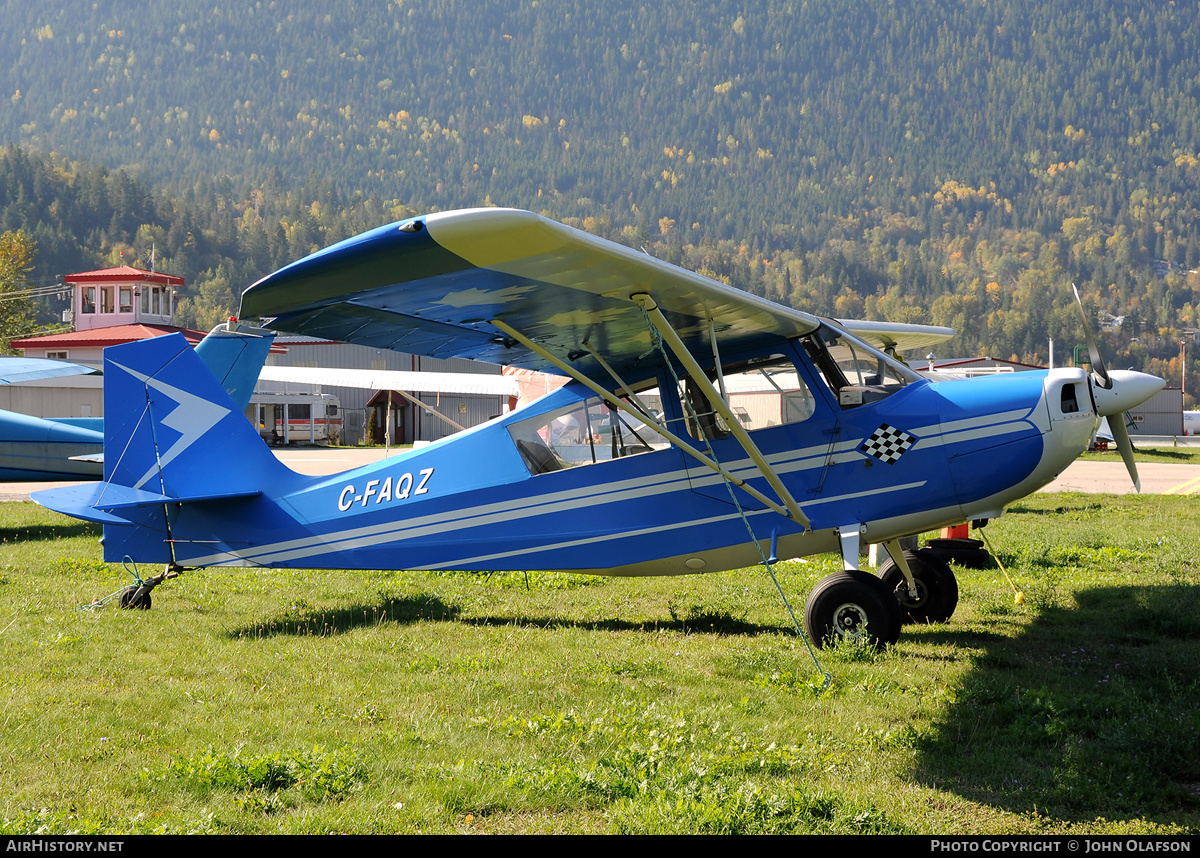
[1113, 399]
[1121, 436]
[1093, 350]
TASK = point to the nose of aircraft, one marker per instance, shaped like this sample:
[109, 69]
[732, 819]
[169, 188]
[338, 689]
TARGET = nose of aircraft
[1127, 389]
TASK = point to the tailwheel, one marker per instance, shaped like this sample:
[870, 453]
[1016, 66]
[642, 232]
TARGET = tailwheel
[138, 595]
[135, 597]
[853, 604]
[937, 588]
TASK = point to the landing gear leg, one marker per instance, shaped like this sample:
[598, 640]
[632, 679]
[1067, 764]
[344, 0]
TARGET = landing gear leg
[929, 593]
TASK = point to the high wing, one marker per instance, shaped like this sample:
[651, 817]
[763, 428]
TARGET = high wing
[433, 286]
[391, 379]
[897, 337]
[17, 369]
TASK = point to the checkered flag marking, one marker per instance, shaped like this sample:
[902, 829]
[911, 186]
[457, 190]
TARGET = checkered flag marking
[887, 443]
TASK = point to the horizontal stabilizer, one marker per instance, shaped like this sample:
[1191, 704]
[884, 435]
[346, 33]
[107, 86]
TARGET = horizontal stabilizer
[77, 502]
[99, 501]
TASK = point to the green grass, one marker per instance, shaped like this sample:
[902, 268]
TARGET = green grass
[318, 701]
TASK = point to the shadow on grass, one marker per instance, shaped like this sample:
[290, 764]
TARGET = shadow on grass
[302, 619]
[1148, 454]
[1025, 509]
[718, 623]
[1170, 455]
[1091, 712]
[34, 532]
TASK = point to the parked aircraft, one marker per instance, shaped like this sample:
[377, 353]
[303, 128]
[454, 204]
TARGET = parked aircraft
[71, 448]
[704, 429]
[32, 448]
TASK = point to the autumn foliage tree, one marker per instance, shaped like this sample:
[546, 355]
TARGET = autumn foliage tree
[16, 308]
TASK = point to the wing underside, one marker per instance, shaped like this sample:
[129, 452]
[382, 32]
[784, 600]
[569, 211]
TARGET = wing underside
[897, 336]
[434, 285]
[14, 370]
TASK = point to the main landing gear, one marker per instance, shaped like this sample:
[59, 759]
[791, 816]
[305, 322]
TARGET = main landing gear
[854, 604]
[937, 588]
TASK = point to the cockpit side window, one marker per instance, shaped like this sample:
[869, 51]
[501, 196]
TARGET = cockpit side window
[855, 372]
[761, 392]
[585, 433]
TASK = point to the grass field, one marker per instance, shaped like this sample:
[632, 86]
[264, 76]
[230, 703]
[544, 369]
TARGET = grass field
[298, 701]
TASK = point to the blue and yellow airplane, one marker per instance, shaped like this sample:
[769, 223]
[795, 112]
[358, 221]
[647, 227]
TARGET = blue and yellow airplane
[704, 429]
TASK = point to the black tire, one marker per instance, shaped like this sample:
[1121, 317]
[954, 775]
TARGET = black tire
[937, 588]
[852, 603]
[964, 552]
[130, 599]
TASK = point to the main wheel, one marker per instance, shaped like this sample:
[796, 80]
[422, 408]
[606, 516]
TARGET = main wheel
[853, 604]
[937, 588]
[129, 599]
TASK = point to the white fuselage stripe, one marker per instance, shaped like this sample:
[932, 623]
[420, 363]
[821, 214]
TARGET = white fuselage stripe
[347, 543]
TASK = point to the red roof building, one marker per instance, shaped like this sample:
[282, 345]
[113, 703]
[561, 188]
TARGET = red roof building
[109, 307]
[122, 296]
[102, 337]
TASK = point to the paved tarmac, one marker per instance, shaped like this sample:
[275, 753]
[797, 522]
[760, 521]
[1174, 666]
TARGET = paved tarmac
[1082, 476]
[1158, 478]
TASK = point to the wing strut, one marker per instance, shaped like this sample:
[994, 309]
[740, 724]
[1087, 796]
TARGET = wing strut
[712, 339]
[645, 412]
[718, 402]
[621, 404]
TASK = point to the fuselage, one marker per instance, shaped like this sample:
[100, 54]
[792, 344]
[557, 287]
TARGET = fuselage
[924, 455]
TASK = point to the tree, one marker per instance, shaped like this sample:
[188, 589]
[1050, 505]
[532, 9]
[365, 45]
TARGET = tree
[16, 308]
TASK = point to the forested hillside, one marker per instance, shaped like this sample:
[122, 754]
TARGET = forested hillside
[952, 162]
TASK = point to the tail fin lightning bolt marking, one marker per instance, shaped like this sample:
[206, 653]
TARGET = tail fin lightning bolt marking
[191, 418]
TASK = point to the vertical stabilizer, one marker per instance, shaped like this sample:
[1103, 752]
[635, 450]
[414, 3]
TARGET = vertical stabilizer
[177, 452]
[235, 355]
[170, 427]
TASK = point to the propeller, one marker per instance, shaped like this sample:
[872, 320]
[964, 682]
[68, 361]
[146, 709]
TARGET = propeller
[1115, 393]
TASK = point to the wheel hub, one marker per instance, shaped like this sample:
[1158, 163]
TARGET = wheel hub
[850, 619]
[908, 601]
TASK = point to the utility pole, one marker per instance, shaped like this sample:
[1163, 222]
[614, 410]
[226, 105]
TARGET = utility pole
[1183, 361]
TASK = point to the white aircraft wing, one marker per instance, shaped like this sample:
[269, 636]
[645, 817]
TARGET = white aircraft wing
[379, 379]
[433, 286]
[897, 336]
[18, 369]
